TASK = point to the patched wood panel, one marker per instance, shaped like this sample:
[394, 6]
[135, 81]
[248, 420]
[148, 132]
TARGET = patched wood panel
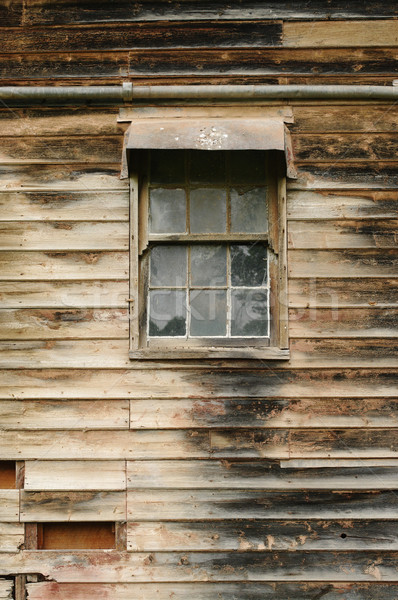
[70, 414]
[64, 206]
[72, 506]
[75, 475]
[11, 538]
[264, 412]
[209, 591]
[15, 266]
[180, 505]
[263, 536]
[340, 33]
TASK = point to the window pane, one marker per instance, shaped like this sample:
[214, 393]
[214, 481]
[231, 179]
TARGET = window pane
[247, 166]
[248, 264]
[208, 265]
[169, 266]
[207, 167]
[167, 166]
[208, 313]
[167, 313]
[208, 211]
[167, 211]
[249, 211]
[249, 312]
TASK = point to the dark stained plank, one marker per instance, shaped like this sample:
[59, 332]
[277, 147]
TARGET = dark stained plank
[210, 591]
[89, 11]
[262, 536]
[51, 506]
[63, 65]
[265, 61]
[263, 412]
[343, 263]
[344, 292]
[75, 149]
[11, 13]
[368, 175]
[365, 118]
[349, 233]
[203, 383]
[181, 505]
[345, 147]
[348, 204]
[155, 34]
[343, 322]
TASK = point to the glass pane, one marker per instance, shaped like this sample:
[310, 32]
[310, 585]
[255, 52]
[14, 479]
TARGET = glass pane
[208, 211]
[207, 166]
[249, 211]
[248, 264]
[169, 266]
[208, 313]
[167, 166]
[247, 166]
[167, 313]
[208, 265]
[167, 211]
[249, 312]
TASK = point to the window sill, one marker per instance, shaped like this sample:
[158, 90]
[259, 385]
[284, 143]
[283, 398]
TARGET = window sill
[269, 353]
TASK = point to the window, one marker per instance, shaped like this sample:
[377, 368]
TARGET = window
[208, 261]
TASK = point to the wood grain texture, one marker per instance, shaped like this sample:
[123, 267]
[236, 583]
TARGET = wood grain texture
[343, 292]
[209, 591]
[263, 536]
[9, 506]
[263, 412]
[340, 34]
[344, 322]
[365, 118]
[11, 538]
[343, 263]
[64, 235]
[51, 506]
[344, 147]
[216, 505]
[64, 206]
[359, 233]
[63, 265]
[74, 475]
[236, 474]
[153, 383]
[345, 176]
[96, 567]
[6, 589]
[70, 414]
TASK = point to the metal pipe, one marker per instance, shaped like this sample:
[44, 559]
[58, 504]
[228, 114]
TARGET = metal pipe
[61, 95]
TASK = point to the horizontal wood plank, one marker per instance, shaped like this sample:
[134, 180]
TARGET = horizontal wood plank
[206, 383]
[70, 414]
[327, 119]
[9, 506]
[64, 235]
[64, 206]
[11, 538]
[65, 294]
[95, 566]
[263, 412]
[343, 322]
[345, 234]
[64, 150]
[262, 536]
[318, 34]
[63, 323]
[349, 204]
[343, 292]
[17, 266]
[72, 506]
[344, 147]
[6, 589]
[60, 475]
[345, 176]
[209, 591]
[235, 474]
[343, 263]
[215, 505]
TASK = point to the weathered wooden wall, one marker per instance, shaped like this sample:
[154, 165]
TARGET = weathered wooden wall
[275, 480]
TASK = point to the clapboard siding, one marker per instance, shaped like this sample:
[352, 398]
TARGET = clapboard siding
[265, 480]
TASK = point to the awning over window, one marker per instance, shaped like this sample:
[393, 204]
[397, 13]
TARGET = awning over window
[211, 134]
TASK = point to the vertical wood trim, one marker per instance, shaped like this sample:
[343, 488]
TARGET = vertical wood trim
[133, 308]
[121, 536]
[32, 536]
[20, 587]
[282, 249]
[20, 474]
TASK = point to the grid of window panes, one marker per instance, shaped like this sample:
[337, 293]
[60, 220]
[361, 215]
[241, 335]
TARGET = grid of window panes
[205, 278]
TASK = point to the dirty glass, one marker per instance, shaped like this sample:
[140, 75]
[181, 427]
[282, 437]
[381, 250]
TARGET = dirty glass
[208, 210]
[168, 266]
[208, 265]
[167, 313]
[167, 166]
[248, 264]
[167, 211]
[249, 211]
[207, 167]
[249, 312]
[208, 312]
